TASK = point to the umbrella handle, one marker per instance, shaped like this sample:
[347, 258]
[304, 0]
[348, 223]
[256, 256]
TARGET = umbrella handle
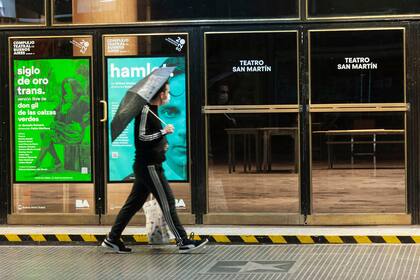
[158, 117]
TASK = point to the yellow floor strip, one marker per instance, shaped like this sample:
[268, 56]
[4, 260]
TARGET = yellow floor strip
[221, 238]
[224, 239]
[362, 239]
[89, 237]
[249, 239]
[391, 239]
[63, 237]
[141, 238]
[13, 237]
[277, 239]
[196, 237]
[304, 239]
[334, 239]
[38, 237]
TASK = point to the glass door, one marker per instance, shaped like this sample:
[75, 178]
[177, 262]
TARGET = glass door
[358, 126]
[128, 58]
[253, 135]
[51, 132]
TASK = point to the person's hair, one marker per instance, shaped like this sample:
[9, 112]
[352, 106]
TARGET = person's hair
[161, 89]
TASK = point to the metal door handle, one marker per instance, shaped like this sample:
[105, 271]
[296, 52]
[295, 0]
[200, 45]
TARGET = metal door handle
[105, 107]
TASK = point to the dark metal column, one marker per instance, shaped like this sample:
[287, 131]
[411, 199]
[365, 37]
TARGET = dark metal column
[198, 127]
[305, 172]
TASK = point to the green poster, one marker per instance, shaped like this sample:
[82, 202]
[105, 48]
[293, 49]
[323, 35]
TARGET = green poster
[52, 125]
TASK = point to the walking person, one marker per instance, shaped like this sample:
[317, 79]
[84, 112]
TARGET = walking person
[151, 146]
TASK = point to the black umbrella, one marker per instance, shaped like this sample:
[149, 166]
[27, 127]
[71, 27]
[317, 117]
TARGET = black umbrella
[136, 97]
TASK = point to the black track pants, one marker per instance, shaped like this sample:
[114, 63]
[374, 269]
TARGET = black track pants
[149, 179]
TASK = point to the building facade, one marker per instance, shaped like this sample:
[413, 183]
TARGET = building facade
[285, 112]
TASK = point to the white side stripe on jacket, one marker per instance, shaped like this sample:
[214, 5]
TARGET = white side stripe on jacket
[142, 127]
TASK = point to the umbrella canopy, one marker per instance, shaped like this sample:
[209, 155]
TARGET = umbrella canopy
[136, 97]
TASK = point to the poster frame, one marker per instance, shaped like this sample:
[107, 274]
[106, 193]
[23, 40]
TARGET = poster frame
[11, 104]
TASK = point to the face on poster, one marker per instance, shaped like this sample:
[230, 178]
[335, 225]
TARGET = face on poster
[123, 73]
[52, 120]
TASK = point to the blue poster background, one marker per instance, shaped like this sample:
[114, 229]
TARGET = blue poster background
[122, 74]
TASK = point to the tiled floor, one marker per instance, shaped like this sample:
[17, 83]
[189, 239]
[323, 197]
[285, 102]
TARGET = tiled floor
[265, 262]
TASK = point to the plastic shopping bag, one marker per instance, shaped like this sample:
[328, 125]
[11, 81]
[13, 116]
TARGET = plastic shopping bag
[156, 227]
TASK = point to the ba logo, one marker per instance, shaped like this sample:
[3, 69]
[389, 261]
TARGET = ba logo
[82, 203]
[179, 203]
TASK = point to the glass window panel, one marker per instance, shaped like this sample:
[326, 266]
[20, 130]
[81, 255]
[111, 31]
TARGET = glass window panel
[53, 198]
[117, 194]
[358, 162]
[333, 8]
[122, 149]
[27, 12]
[128, 60]
[52, 132]
[253, 163]
[357, 66]
[52, 110]
[251, 68]
[125, 11]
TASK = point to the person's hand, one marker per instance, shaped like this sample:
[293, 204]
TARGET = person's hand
[169, 129]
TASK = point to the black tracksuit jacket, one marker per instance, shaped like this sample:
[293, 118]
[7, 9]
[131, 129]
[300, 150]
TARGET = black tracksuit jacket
[150, 141]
